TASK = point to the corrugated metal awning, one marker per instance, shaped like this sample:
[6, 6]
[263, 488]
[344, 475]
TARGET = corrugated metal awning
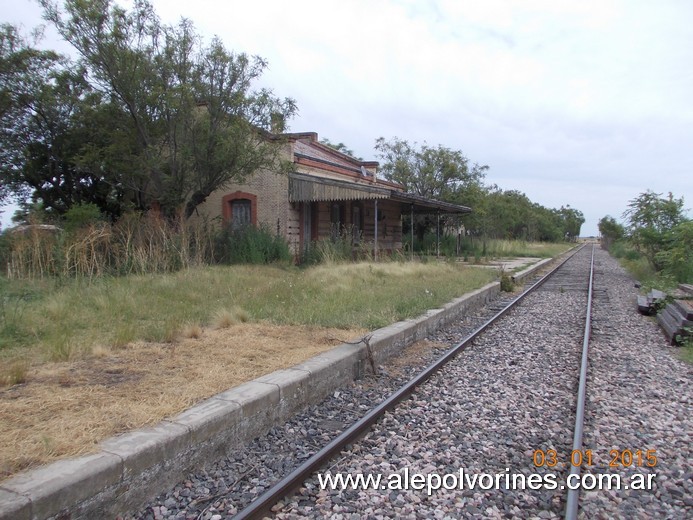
[423, 205]
[308, 188]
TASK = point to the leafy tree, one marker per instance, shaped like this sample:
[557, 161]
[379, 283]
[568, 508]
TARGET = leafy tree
[23, 70]
[571, 221]
[62, 142]
[81, 215]
[677, 258]
[610, 230]
[445, 174]
[477, 197]
[50, 142]
[651, 219]
[510, 214]
[5, 195]
[195, 123]
[439, 173]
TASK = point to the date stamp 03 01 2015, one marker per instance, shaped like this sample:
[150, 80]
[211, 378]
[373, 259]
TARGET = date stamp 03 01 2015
[617, 458]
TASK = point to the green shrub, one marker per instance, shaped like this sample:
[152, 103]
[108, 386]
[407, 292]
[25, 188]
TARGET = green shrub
[506, 282]
[81, 215]
[620, 248]
[250, 245]
[677, 258]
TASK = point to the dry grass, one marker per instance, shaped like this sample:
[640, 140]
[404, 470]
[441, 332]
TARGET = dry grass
[15, 373]
[224, 319]
[192, 330]
[65, 408]
[114, 354]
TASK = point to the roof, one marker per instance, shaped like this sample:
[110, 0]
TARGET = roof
[350, 183]
[310, 188]
[312, 150]
[309, 152]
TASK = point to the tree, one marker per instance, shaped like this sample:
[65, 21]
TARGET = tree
[610, 231]
[438, 173]
[571, 222]
[23, 70]
[195, 123]
[677, 258]
[510, 214]
[52, 122]
[651, 219]
[445, 174]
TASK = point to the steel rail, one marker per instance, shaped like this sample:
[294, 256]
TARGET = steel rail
[262, 505]
[571, 507]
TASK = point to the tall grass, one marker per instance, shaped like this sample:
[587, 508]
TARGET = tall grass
[639, 267]
[341, 248]
[71, 320]
[32, 253]
[16, 297]
[479, 247]
[521, 248]
[251, 245]
[136, 244]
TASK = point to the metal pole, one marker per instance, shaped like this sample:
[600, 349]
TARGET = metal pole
[375, 233]
[438, 236]
[412, 232]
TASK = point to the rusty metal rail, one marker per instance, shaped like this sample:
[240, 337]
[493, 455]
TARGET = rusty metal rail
[263, 504]
[571, 508]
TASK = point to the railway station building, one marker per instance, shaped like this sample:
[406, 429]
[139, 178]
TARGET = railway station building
[326, 195]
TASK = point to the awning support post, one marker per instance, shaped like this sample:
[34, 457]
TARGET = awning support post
[412, 233]
[375, 233]
[438, 236]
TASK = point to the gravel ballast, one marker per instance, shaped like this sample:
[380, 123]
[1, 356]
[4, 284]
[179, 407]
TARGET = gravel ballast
[510, 393]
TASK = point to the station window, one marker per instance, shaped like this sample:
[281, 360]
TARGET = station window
[241, 213]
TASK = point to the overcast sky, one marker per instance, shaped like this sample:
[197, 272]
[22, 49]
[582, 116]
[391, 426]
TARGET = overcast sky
[584, 103]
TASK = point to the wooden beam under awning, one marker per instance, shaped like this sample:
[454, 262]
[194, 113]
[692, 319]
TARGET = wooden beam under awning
[308, 188]
[422, 205]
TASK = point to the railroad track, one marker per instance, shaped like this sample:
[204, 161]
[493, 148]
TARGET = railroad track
[504, 406]
[565, 277]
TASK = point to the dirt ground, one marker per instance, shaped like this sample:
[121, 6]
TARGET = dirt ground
[65, 409]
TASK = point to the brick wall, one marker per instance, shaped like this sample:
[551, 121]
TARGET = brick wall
[272, 208]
